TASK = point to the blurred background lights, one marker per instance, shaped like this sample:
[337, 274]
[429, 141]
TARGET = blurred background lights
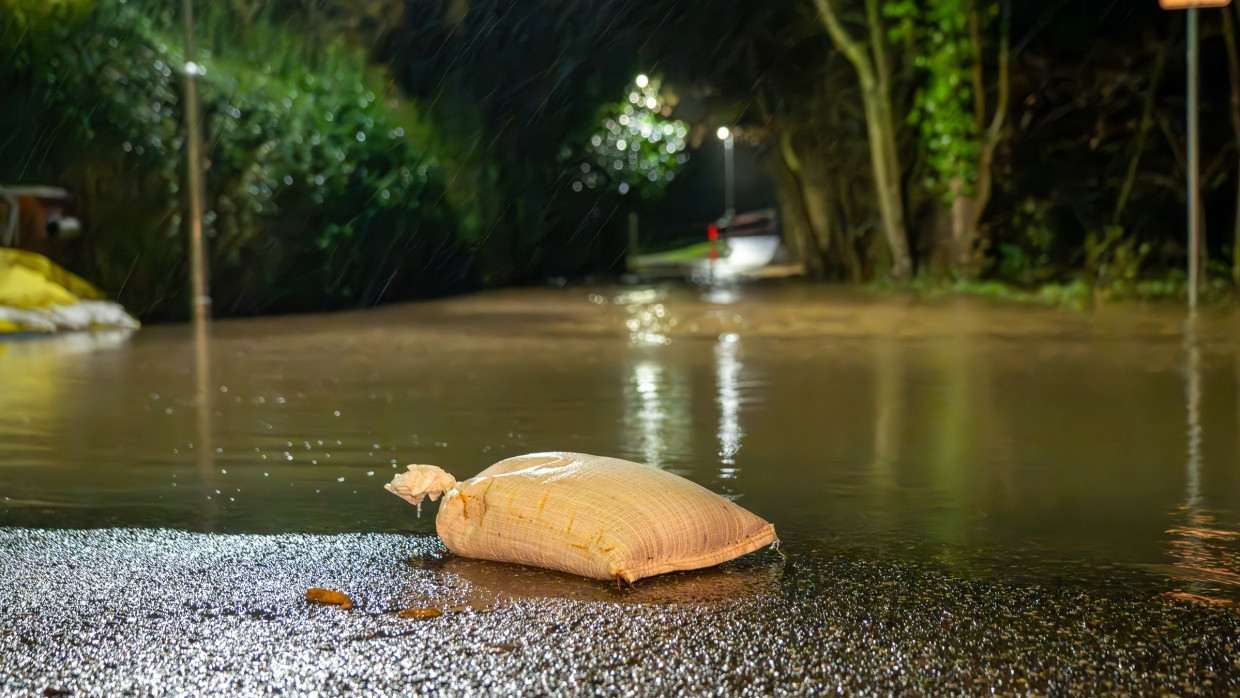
[636, 143]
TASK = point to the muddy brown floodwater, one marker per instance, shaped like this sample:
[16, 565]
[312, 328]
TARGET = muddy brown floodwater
[971, 496]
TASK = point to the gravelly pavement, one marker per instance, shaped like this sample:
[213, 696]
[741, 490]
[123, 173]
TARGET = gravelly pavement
[155, 612]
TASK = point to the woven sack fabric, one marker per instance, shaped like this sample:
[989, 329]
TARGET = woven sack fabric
[594, 516]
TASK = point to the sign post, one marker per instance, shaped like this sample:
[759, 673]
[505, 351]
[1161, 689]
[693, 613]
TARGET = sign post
[1195, 231]
[1195, 228]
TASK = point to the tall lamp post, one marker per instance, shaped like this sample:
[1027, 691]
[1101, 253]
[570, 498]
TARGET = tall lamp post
[726, 135]
[200, 296]
[200, 293]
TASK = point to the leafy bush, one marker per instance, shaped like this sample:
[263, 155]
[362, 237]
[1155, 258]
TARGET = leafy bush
[637, 147]
[317, 195]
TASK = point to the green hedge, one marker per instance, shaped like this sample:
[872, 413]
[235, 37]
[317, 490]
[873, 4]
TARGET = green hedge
[319, 196]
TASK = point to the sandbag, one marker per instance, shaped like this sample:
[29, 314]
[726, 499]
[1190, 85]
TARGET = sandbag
[37, 295]
[597, 517]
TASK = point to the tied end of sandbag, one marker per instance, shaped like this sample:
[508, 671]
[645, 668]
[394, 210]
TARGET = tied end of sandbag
[421, 481]
[776, 548]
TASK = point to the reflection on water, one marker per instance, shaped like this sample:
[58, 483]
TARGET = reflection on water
[954, 426]
[63, 344]
[490, 583]
[204, 404]
[727, 380]
[722, 293]
[648, 319]
[1206, 562]
[1192, 393]
[1206, 558]
[656, 415]
[888, 410]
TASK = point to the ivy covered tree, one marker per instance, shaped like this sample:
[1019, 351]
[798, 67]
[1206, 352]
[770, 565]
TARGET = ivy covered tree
[959, 130]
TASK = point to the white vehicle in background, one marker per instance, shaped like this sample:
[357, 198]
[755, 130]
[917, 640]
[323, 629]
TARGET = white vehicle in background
[745, 245]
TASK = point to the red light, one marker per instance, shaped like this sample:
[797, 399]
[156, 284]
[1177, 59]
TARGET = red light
[712, 232]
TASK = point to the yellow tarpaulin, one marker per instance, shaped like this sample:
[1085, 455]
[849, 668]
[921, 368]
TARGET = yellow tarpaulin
[38, 295]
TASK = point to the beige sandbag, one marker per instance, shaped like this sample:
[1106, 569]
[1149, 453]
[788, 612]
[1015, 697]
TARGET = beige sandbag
[598, 517]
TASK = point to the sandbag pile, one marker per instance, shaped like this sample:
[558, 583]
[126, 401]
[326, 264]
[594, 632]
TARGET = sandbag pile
[37, 295]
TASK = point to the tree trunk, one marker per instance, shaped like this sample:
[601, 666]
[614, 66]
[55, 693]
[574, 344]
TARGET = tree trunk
[872, 73]
[808, 241]
[964, 222]
[812, 199]
[820, 205]
[889, 180]
[842, 213]
[968, 206]
[808, 235]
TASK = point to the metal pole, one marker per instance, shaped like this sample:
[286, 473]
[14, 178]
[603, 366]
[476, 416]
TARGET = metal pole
[633, 251]
[1194, 184]
[729, 177]
[201, 299]
[200, 302]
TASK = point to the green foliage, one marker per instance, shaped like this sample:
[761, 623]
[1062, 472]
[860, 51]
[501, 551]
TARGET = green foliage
[98, 97]
[486, 158]
[514, 92]
[1025, 253]
[943, 109]
[316, 198]
[26, 16]
[1112, 257]
[637, 148]
[1082, 82]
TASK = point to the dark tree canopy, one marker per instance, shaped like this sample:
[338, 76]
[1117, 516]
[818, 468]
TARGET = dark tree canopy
[431, 145]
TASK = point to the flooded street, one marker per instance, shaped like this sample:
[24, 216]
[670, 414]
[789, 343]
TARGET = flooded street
[954, 483]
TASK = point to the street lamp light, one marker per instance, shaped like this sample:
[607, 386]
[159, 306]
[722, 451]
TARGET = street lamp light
[729, 172]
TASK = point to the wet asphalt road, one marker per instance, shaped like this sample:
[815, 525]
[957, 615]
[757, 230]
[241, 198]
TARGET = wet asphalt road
[142, 612]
